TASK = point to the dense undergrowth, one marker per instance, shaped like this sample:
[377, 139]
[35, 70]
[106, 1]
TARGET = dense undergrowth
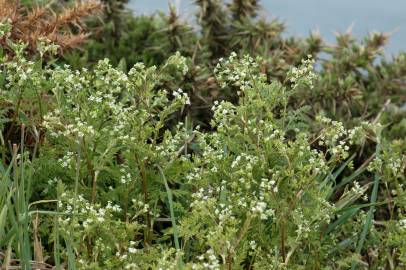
[217, 148]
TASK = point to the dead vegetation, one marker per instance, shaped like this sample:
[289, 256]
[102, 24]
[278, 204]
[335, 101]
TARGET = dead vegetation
[64, 27]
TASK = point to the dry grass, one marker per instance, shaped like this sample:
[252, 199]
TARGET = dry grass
[64, 28]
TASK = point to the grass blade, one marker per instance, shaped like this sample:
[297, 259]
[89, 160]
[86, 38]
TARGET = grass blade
[368, 221]
[172, 213]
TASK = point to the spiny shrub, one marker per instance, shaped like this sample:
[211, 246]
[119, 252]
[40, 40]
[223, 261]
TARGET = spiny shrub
[40, 23]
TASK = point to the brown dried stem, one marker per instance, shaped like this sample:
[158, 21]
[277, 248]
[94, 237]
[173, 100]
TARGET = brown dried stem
[65, 28]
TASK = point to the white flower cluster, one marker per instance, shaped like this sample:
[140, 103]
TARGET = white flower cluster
[304, 74]
[46, 46]
[355, 135]
[179, 95]
[141, 207]
[53, 181]
[223, 114]
[89, 214]
[22, 74]
[402, 224]
[112, 80]
[359, 191]
[124, 256]
[97, 98]
[237, 72]
[249, 161]
[194, 175]
[357, 188]
[395, 165]
[132, 265]
[224, 213]
[209, 261]
[335, 136]
[213, 152]
[267, 185]
[243, 170]
[261, 209]
[391, 163]
[253, 244]
[69, 83]
[179, 62]
[57, 129]
[375, 165]
[126, 176]
[303, 225]
[119, 130]
[172, 143]
[52, 185]
[86, 99]
[201, 195]
[317, 162]
[67, 160]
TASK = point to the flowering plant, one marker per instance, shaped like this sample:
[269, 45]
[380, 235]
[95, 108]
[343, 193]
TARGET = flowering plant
[262, 189]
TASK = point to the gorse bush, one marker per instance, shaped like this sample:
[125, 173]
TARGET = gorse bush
[104, 174]
[33, 25]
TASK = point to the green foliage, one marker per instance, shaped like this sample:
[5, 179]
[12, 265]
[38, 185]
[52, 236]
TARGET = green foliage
[354, 83]
[114, 171]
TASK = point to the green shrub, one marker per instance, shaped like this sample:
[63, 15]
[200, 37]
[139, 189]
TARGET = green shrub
[355, 82]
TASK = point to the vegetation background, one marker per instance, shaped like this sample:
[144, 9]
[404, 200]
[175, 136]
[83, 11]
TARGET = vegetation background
[216, 146]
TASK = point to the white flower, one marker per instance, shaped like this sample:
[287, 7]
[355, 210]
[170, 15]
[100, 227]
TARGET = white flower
[132, 250]
[402, 223]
